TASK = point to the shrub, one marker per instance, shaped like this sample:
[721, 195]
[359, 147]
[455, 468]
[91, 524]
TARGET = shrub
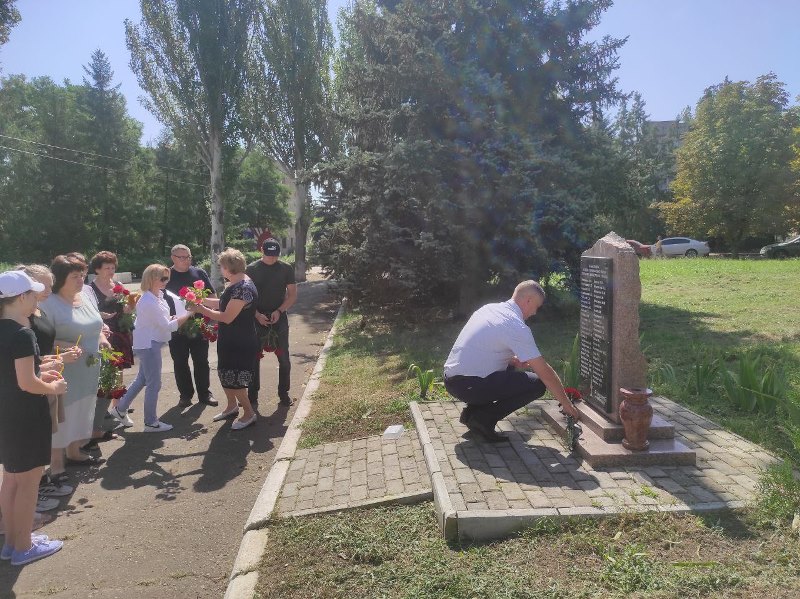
[779, 497]
[751, 391]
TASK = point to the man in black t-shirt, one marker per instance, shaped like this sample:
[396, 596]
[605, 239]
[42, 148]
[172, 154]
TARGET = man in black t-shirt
[183, 274]
[277, 292]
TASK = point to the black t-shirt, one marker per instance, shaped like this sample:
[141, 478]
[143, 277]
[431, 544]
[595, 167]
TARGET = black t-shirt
[16, 341]
[177, 280]
[271, 282]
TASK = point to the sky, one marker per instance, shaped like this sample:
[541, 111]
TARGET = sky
[675, 48]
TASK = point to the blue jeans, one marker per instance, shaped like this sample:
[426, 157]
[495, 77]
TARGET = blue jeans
[149, 376]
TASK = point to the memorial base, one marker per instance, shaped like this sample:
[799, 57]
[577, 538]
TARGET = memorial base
[599, 450]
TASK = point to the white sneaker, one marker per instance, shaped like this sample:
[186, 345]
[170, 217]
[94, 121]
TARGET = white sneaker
[124, 419]
[157, 427]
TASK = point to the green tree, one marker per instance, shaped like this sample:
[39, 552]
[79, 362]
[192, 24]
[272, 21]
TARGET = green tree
[734, 177]
[296, 44]
[463, 127]
[112, 139]
[260, 195]
[9, 17]
[192, 58]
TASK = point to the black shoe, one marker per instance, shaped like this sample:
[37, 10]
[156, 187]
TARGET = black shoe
[209, 401]
[466, 413]
[485, 431]
[184, 402]
[285, 401]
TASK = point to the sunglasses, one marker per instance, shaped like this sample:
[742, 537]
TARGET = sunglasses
[164, 279]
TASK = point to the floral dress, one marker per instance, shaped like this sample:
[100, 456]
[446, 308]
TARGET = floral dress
[237, 344]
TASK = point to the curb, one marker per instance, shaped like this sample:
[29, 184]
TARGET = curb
[244, 574]
[445, 514]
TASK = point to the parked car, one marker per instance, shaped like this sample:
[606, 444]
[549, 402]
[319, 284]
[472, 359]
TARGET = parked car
[642, 250]
[684, 246]
[784, 249]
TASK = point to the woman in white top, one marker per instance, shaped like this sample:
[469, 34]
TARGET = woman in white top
[152, 329]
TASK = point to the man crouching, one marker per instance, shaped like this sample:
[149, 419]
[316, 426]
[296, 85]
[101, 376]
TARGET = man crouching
[481, 369]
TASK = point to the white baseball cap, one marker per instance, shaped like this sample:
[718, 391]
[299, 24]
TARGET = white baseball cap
[16, 282]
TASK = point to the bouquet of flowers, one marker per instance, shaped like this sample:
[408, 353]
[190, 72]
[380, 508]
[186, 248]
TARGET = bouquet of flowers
[123, 297]
[194, 295]
[573, 394]
[209, 331]
[109, 383]
[269, 342]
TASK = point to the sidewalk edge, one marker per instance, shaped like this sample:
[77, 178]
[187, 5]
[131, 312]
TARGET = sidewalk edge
[244, 574]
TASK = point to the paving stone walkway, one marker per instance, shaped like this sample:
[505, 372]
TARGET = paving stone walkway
[350, 474]
[534, 475]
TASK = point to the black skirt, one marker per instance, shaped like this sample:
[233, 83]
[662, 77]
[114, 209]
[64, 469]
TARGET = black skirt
[25, 433]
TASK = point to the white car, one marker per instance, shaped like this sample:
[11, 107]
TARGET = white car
[683, 246]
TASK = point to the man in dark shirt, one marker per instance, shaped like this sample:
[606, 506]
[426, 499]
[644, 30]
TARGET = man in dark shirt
[183, 274]
[277, 292]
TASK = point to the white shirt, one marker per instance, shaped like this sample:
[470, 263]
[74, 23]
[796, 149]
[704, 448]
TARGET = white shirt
[153, 322]
[492, 336]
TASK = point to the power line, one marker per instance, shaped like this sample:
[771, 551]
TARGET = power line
[113, 170]
[105, 168]
[127, 161]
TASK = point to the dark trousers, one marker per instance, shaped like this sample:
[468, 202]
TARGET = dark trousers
[492, 398]
[284, 363]
[180, 348]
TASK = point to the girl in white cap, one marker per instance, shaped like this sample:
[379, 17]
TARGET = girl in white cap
[25, 426]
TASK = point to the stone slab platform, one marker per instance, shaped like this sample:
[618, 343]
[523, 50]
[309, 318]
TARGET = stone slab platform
[611, 432]
[352, 474]
[485, 491]
[663, 450]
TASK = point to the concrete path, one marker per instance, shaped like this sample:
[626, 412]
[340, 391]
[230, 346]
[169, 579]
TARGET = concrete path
[164, 516]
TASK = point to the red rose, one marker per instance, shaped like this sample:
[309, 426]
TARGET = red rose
[125, 292]
[206, 319]
[118, 289]
[118, 392]
[184, 290]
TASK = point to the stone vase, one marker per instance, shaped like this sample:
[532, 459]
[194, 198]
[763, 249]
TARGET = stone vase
[636, 415]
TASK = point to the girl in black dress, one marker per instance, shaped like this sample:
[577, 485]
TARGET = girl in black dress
[25, 425]
[238, 341]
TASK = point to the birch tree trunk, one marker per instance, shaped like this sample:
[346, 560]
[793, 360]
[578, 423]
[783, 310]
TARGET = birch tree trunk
[217, 209]
[301, 225]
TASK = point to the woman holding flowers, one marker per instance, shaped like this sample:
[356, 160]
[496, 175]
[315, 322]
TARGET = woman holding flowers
[112, 300]
[71, 311]
[153, 328]
[237, 339]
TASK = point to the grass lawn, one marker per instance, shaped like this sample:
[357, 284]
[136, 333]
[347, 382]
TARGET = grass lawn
[692, 310]
[399, 553]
